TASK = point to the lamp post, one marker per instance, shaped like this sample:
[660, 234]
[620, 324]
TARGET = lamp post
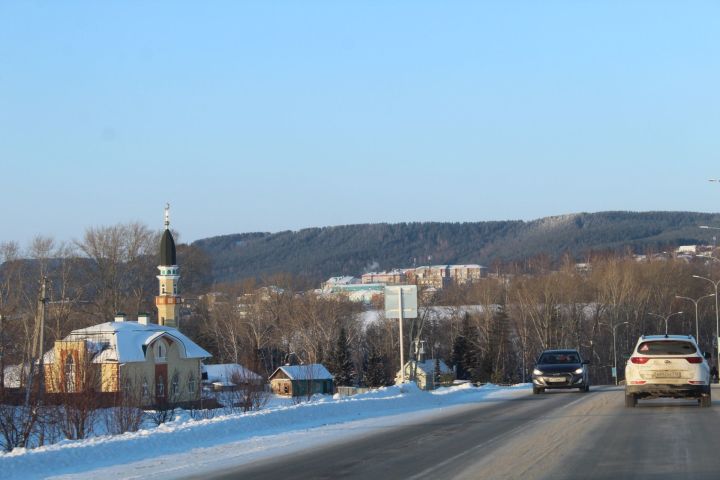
[614, 331]
[666, 318]
[717, 315]
[695, 301]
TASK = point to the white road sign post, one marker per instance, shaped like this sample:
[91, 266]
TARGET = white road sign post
[401, 302]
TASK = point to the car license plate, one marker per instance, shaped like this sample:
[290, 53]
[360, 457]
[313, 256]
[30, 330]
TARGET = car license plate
[667, 374]
[556, 379]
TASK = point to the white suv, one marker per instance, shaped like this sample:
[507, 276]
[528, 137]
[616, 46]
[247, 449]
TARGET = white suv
[667, 366]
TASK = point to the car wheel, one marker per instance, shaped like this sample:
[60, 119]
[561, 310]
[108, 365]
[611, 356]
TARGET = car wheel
[586, 388]
[705, 401]
[630, 400]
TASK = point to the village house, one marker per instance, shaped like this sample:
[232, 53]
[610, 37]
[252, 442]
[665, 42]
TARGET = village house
[301, 380]
[428, 374]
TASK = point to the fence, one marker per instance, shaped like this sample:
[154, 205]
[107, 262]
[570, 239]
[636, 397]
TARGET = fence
[350, 391]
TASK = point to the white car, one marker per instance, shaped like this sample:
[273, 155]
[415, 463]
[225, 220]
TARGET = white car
[669, 366]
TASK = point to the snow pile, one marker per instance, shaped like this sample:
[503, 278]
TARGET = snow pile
[249, 432]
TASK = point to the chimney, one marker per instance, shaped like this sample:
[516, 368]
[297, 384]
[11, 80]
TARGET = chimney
[120, 317]
[143, 318]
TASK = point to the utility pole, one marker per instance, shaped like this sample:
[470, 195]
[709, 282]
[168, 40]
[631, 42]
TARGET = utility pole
[42, 302]
[38, 341]
[402, 350]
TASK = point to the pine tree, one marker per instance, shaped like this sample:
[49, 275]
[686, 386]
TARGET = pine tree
[340, 364]
[375, 375]
[460, 351]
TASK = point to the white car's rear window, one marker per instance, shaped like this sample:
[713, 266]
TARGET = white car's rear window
[666, 347]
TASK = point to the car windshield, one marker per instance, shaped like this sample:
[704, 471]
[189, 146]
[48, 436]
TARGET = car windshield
[666, 347]
[554, 358]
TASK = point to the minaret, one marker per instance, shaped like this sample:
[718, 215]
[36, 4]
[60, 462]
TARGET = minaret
[168, 301]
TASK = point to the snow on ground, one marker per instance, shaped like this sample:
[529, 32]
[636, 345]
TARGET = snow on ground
[186, 447]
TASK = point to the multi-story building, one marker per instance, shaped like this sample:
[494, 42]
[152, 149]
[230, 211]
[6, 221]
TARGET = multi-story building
[393, 277]
[463, 274]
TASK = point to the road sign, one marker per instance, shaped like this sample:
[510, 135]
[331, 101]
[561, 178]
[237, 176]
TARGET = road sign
[393, 297]
[614, 372]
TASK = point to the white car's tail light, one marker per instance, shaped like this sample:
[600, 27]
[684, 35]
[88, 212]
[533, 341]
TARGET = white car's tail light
[639, 360]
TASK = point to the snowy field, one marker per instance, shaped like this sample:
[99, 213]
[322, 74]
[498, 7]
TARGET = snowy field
[187, 447]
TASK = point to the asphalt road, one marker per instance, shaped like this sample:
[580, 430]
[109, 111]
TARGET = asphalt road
[556, 435]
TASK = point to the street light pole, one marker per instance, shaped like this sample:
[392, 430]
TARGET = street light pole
[695, 301]
[666, 318]
[717, 315]
[614, 330]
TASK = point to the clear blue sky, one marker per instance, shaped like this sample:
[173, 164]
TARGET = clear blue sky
[275, 115]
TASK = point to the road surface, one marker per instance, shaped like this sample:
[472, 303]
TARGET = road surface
[555, 435]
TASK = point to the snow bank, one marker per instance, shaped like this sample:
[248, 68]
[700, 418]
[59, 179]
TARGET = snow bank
[247, 430]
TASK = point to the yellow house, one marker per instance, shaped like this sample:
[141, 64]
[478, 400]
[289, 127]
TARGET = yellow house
[156, 363]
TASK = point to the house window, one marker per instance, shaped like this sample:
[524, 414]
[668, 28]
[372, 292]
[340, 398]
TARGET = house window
[69, 374]
[160, 390]
[175, 389]
[160, 351]
[145, 390]
[174, 289]
[191, 384]
[162, 288]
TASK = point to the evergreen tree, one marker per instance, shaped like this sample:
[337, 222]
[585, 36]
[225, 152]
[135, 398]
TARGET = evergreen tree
[375, 375]
[340, 364]
[460, 351]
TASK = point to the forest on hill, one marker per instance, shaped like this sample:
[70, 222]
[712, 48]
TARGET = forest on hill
[318, 253]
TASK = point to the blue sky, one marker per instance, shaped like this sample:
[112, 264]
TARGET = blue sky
[276, 115]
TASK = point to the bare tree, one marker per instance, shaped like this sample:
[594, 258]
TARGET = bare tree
[126, 413]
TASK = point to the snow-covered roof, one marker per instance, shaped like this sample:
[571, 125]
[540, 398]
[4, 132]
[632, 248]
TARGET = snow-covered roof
[428, 366]
[125, 342]
[226, 372]
[347, 280]
[312, 371]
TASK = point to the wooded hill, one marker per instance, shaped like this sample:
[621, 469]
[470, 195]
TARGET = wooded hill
[318, 253]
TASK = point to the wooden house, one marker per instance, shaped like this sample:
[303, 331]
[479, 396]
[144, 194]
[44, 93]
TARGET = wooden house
[301, 380]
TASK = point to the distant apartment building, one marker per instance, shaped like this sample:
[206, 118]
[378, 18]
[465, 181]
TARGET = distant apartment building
[393, 277]
[430, 276]
[463, 274]
[441, 276]
[436, 276]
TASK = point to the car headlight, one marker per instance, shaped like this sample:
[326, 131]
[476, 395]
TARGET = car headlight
[537, 372]
[579, 371]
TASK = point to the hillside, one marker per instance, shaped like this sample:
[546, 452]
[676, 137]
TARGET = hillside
[319, 253]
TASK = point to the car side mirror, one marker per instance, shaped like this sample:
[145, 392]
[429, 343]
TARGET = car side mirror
[586, 362]
[707, 356]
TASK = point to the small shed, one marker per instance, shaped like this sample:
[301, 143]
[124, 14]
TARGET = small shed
[425, 375]
[301, 380]
[229, 376]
